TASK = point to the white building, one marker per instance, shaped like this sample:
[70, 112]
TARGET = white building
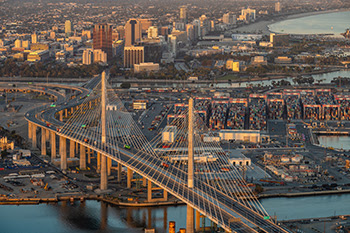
[88, 57]
[152, 32]
[146, 67]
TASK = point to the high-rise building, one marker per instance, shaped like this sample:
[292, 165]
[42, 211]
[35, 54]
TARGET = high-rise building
[277, 6]
[100, 56]
[190, 32]
[102, 39]
[229, 18]
[145, 24]
[25, 44]
[183, 14]
[68, 28]
[34, 38]
[132, 32]
[88, 56]
[152, 32]
[18, 43]
[247, 15]
[133, 55]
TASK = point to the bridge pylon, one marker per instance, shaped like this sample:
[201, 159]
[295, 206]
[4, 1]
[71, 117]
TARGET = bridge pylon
[103, 173]
[190, 211]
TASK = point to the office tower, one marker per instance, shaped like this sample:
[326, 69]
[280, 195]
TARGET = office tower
[34, 38]
[247, 15]
[152, 32]
[102, 39]
[277, 6]
[145, 24]
[228, 18]
[88, 56]
[204, 25]
[100, 56]
[18, 43]
[183, 14]
[25, 44]
[133, 55]
[190, 32]
[87, 34]
[132, 32]
[68, 27]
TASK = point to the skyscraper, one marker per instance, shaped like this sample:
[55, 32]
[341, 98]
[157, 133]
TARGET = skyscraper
[102, 39]
[183, 14]
[132, 32]
[68, 27]
[34, 38]
[133, 55]
[152, 32]
[277, 6]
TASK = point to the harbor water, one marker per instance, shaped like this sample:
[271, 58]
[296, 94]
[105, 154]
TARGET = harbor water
[93, 216]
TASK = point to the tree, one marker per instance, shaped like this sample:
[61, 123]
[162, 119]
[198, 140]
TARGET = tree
[4, 153]
[125, 85]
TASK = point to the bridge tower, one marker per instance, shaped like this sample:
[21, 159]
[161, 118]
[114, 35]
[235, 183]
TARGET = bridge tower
[104, 181]
[190, 210]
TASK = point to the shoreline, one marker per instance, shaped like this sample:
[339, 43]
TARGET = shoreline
[84, 197]
[264, 24]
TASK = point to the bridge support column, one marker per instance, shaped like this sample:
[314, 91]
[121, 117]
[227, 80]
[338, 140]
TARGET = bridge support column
[66, 112]
[119, 171]
[72, 149]
[72, 110]
[53, 145]
[149, 191]
[98, 162]
[63, 153]
[104, 184]
[198, 220]
[129, 177]
[89, 151]
[82, 161]
[144, 181]
[30, 133]
[43, 141]
[34, 136]
[109, 166]
[61, 115]
[190, 220]
[90, 104]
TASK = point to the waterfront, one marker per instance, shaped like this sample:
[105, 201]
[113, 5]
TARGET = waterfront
[337, 142]
[93, 216]
[329, 23]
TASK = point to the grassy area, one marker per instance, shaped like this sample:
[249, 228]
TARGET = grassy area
[231, 77]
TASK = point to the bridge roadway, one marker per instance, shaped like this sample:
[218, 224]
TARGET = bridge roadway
[221, 209]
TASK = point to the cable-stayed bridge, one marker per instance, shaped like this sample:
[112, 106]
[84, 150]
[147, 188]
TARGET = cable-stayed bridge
[198, 173]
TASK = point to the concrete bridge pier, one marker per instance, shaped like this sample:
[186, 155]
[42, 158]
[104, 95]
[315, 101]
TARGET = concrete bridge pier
[63, 153]
[30, 133]
[190, 220]
[198, 220]
[98, 162]
[71, 149]
[43, 141]
[119, 171]
[104, 181]
[129, 175]
[34, 136]
[53, 145]
[109, 166]
[60, 115]
[82, 160]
